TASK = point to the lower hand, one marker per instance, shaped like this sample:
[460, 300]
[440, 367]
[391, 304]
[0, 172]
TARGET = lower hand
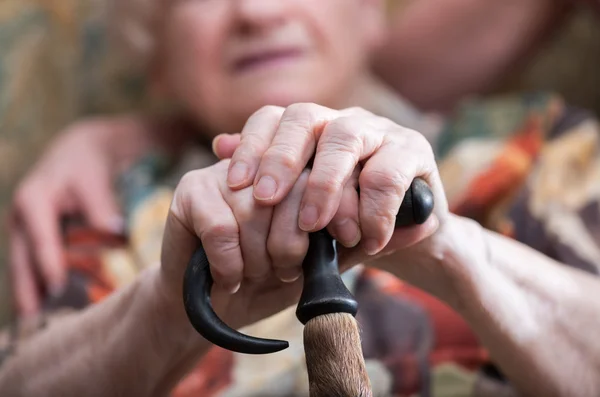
[251, 248]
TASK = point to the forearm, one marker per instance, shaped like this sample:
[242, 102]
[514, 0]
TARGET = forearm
[131, 344]
[439, 51]
[128, 137]
[538, 318]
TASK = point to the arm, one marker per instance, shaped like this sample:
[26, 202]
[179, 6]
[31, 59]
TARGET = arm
[538, 318]
[95, 149]
[132, 344]
[440, 51]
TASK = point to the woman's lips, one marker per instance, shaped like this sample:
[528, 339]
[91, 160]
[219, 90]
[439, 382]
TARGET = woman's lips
[265, 59]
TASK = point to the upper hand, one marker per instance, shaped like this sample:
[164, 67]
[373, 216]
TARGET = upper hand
[351, 148]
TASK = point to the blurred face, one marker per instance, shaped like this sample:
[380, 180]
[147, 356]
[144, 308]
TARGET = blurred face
[224, 59]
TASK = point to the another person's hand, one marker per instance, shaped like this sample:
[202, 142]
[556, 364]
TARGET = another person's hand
[74, 177]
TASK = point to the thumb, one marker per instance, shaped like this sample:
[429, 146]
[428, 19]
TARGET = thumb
[98, 203]
[224, 145]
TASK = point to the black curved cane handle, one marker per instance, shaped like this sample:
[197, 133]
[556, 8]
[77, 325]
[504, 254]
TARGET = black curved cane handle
[416, 207]
[197, 285]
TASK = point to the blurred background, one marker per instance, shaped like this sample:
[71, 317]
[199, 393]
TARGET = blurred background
[56, 67]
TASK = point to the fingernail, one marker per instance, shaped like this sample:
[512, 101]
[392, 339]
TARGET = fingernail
[214, 144]
[371, 246]
[309, 216]
[288, 275]
[237, 174]
[348, 232]
[235, 288]
[265, 188]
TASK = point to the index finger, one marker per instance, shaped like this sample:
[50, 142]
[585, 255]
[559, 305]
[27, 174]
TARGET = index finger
[254, 141]
[290, 151]
[199, 211]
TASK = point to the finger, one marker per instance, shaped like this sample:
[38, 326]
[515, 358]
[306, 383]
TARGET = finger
[383, 182]
[225, 145]
[345, 141]
[290, 151]
[98, 202]
[345, 224]
[22, 275]
[287, 243]
[40, 217]
[255, 139]
[214, 223]
[254, 222]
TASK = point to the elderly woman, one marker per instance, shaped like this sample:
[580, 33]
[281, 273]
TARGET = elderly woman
[520, 279]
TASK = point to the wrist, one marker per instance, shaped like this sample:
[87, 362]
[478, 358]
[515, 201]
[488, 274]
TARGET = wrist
[169, 319]
[443, 265]
[462, 253]
[177, 344]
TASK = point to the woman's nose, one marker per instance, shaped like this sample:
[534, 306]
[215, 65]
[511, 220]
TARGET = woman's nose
[261, 13]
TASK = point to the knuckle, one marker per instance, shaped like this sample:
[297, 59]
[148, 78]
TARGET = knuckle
[284, 156]
[418, 141]
[269, 110]
[187, 183]
[251, 145]
[344, 125]
[300, 126]
[326, 181]
[223, 236]
[184, 202]
[340, 136]
[244, 212]
[301, 109]
[358, 111]
[377, 215]
[287, 252]
[385, 182]
[190, 179]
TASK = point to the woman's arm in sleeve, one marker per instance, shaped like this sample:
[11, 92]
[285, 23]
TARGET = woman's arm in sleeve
[131, 344]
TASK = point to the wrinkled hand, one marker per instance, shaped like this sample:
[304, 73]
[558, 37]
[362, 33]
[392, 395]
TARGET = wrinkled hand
[73, 177]
[351, 148]
[255, 233]
[246, 244]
